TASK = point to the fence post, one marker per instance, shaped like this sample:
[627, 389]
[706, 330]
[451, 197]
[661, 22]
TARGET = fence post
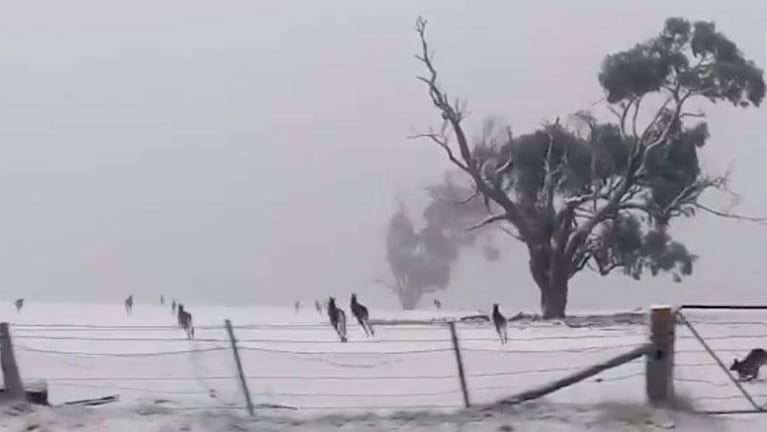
[14, 388]
[659, 363]
[459, 362]
[243, 380]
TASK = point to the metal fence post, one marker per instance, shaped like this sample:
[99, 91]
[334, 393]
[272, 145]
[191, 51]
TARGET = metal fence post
[243, 380]
[459, 362]
[14, 388]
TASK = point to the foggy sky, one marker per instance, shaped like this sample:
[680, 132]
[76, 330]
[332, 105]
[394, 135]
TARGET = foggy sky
[250, 151]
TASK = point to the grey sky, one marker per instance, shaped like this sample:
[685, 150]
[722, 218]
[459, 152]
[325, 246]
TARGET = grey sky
[249, 151]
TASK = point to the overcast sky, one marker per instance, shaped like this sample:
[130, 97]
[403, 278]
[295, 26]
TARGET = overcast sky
[250, 151]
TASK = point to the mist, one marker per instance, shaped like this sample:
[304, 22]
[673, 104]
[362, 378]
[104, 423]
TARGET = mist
[251, 152]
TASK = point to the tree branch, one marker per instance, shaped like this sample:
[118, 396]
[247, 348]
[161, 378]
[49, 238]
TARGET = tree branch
[728, 215]
[488, 221]
[452, 115]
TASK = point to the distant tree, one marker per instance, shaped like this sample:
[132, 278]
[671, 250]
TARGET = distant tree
[420, 260]
[601, 195]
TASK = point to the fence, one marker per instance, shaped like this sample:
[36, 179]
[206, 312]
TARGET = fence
[711, 336]
[304, 367]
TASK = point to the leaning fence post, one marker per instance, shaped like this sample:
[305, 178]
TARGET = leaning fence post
[659, 363]
[459, 362]
[14, 388]
[243, 380]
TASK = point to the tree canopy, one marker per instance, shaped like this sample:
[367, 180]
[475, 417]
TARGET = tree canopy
[599, 193]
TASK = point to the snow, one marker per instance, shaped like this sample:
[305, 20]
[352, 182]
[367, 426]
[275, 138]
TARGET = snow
[301, 377]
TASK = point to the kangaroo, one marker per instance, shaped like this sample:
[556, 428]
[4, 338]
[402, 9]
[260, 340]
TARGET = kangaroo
[297, 306]
[162, 299]
[437, 304]
[185, 321]
[19, 303]
[337, 319]
[363, 317]
[129, 305]
[500, 324]
[318, 306]
[748, 368]
[173, 307]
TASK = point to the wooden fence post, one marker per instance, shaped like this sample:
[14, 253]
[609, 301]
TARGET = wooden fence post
[243, 380]
[459, 361]
[14, 388]
[659, 364]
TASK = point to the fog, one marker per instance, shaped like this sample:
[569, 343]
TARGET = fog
[250, 152]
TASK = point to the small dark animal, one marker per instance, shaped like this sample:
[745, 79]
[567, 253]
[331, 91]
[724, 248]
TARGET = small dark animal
[162, 299]
[748, 368]
[129, 305]
[363, 317]
[185, 321]
[173, 307]
[318, 306]
[337, 318]
[437, 304]
[19, 303]
[297, 306]
[500, 324]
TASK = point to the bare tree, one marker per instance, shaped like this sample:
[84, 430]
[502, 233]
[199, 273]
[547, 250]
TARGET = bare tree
[603, 199]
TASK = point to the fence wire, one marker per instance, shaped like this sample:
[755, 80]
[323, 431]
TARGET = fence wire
[699, 377]
[280, 363]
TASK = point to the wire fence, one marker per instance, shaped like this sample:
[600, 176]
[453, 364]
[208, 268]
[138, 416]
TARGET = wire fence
[730, 334]
[302, 367]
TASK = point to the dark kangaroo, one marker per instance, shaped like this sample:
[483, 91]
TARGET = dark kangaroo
[19, 303]
[185, 321]
[129, 305]
[500, 324]
[748, 368]
[337, 318]
[363, 317]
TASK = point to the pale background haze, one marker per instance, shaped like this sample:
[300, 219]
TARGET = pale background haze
[250, 151]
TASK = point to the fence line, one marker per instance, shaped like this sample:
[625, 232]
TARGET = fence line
[120, 354]
[447, 387]
[730, 331]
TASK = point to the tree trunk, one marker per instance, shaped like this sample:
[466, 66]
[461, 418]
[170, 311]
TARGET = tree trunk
[549, 271]
[409, 299]
[554, 301]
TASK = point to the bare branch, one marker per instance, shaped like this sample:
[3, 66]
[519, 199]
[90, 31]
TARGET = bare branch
[488, 221]
[452, 115]
[442, 141]
[634, 118]
[728, 215]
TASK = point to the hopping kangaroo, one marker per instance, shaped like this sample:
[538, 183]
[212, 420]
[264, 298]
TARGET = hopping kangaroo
[185, 321]
[363, 317]
[500, 324]
[129, 305]
[19, 303]
[337, 318]
[748, 368]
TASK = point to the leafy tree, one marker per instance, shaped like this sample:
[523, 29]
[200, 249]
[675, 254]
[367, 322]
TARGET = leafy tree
[421, 260]
[601, 195]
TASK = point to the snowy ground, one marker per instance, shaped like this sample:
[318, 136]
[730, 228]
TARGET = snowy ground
[294, 361]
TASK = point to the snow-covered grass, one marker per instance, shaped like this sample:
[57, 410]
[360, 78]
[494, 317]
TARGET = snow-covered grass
[295, 361]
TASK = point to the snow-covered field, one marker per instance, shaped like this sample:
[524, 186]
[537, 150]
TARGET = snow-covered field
[294, 361]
